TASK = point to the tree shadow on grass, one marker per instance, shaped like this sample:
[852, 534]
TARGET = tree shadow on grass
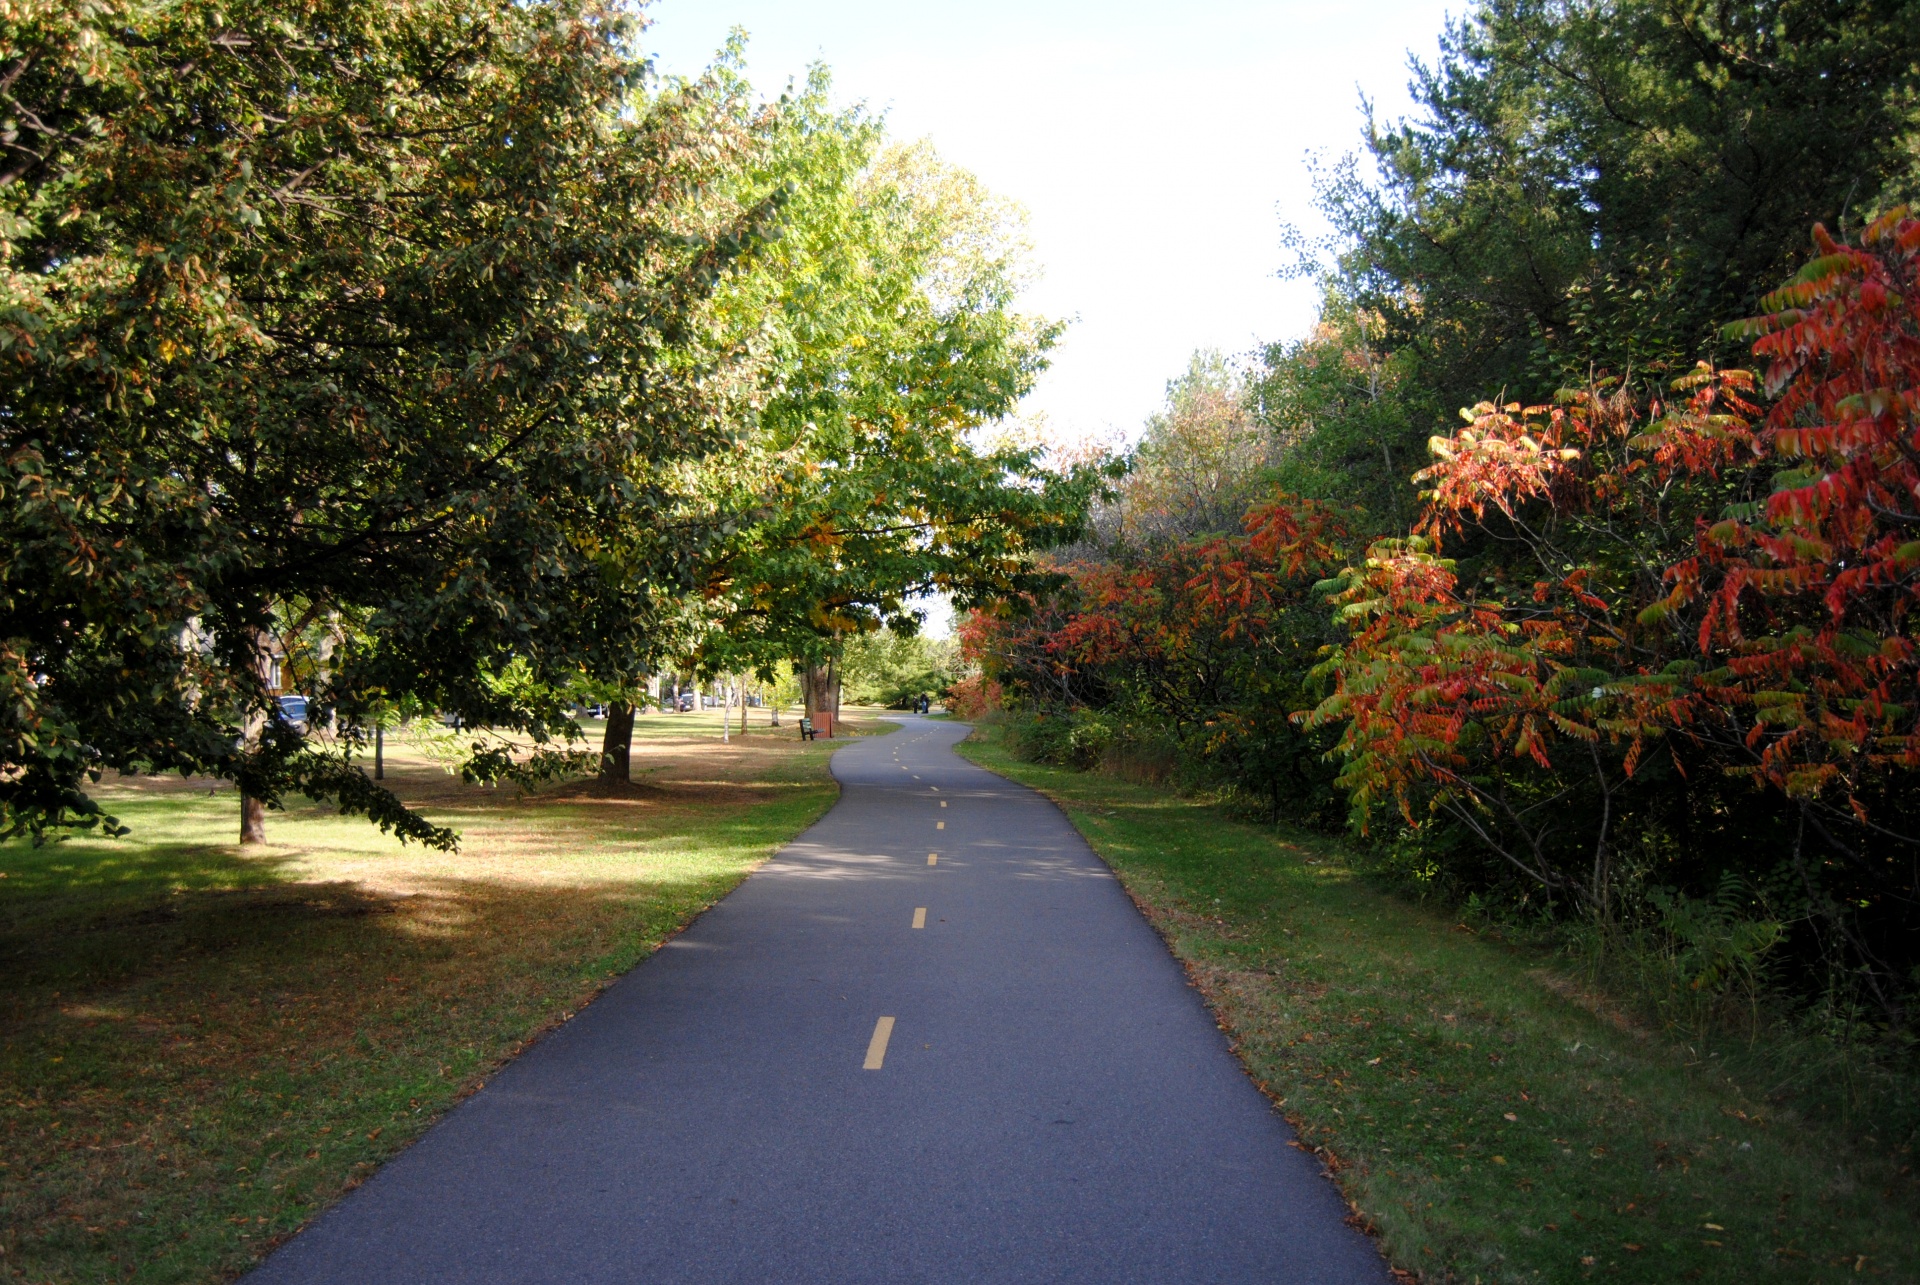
[203, 1045]
[198, 1052]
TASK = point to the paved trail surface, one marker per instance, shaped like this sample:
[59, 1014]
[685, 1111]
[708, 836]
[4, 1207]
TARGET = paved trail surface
[1052, 1101]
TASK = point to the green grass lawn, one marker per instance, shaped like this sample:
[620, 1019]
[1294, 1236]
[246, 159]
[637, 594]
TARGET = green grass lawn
[1486, 1118]
[201, 1047]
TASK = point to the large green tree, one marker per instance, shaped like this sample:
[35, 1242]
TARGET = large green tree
[886, 321]
[1586, 192]
[1597, 186]
[382, 319]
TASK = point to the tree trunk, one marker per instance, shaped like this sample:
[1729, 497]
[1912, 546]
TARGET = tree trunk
[813, 693]
[616, 748]
[253, 819]
[253, 812]
[379, 752]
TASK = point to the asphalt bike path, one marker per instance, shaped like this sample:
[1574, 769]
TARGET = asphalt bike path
[931, 1040]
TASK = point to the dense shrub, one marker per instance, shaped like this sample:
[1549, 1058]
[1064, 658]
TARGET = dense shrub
[1188, 659]
[1667, 686]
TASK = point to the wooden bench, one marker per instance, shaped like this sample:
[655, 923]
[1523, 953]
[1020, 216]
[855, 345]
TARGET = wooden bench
[806, 728]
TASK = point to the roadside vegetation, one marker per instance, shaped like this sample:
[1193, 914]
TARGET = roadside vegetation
[206, 1044]
[1567, 568]
[1490, 1112]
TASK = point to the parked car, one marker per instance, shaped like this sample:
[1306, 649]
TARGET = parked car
[290, 709]
[686, 702]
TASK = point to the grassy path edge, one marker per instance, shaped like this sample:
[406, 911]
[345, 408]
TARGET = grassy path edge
[480, 1077]
[1165, 923]
[262, 1043]
[1485, 1118]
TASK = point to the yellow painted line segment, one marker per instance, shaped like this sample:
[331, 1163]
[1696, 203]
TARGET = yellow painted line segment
[943, 803]
[919, 916]
[939, 825]
[933, 858]
[877, 1046]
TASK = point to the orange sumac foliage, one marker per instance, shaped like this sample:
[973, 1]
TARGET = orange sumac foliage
[1203, 643]
[1243, 582]
[1807, 594]
[1469, 698]
[1456, 699]
[1155, 621]
[1672, 598]
[974, 695]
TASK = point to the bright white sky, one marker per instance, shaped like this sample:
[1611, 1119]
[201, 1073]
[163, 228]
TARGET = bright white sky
[1158, 148]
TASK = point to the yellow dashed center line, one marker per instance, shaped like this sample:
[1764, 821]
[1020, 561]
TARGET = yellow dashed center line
[943, 803]
[933, 858]
[877, 1046]
[919, 916]
[939, 825]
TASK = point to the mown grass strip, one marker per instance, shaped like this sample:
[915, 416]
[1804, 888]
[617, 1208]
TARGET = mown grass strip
[1488, 1120]
[201, 1047]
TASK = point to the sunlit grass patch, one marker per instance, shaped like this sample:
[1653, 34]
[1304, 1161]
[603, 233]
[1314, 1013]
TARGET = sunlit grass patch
[1490, 1120]
[202, 1045]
